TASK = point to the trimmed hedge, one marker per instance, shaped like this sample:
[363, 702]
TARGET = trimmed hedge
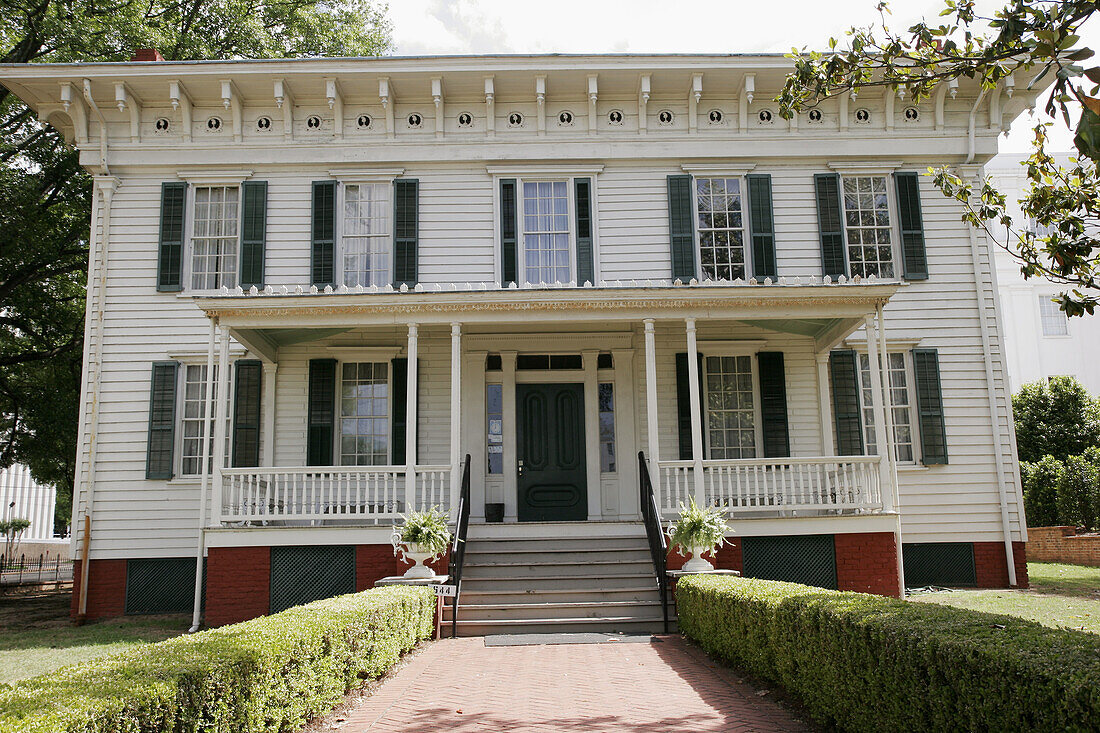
[867, 663]
[268, 674]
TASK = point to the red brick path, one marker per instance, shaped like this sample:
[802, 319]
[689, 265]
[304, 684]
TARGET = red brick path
[460, 685]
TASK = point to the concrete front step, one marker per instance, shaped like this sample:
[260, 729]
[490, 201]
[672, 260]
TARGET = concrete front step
[604, 624]
[521, 583]
[530, 554]
[519, 611]
[554, 544]
[551, 569]
[555, 530]
[557, 595]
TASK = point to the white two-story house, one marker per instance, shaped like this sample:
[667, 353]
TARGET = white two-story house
[317, 286]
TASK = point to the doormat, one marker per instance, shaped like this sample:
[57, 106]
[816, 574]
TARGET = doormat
[583, 638]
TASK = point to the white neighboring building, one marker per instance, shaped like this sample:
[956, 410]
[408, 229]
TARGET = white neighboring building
[1041, 341]
[23, 497]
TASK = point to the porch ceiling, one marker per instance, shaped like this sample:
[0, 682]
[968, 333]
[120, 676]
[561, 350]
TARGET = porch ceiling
[825, 312]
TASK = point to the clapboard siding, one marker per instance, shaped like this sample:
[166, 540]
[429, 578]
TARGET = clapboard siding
[134, 516]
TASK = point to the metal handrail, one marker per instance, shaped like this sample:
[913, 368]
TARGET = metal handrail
[658, 548]
[458, 548]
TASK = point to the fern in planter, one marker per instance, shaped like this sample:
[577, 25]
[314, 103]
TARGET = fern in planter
[701, 530]
[427, 529]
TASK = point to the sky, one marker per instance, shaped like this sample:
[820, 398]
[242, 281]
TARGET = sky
[649, 26]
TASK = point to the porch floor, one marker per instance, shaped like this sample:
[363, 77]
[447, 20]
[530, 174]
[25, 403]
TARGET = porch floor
[666, 684]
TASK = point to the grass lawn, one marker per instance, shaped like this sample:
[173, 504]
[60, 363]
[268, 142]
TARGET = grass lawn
[1065, 596]
[36, 635]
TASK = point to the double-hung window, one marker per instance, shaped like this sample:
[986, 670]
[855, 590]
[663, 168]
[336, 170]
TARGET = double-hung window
[215, 237]
[720, 209]
[901, 405]
[366, 234]
[192, 417]
[1052, 318]
[545, 228]
[867, 226]
[731, 419]
[364, 414]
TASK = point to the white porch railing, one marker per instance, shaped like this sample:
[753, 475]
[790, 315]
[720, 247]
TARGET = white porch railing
[329, 495]
[757, 485]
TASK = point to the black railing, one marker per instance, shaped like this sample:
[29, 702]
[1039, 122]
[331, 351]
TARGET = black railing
[458, 549]
[658, 548]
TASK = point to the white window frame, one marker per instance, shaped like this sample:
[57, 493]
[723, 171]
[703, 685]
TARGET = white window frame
[196, 179]
[746, 224]
[607, 376]
[543, 173]
[1040, 301]
[910, 389]
[181, 397]
[339, 273]
[758, 431]
[892, 214]
[338, 433]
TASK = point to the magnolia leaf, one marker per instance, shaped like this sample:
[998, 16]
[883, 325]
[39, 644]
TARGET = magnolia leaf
[1087, 139]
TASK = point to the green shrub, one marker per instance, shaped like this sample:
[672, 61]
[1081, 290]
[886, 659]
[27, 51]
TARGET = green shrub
[1040, 482]
[1077, 492]
[1055, 417]
[868, 663]
[268, 674]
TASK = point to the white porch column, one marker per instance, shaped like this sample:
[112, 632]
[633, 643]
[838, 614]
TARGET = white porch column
[879, 412]
[221, 409]
[410, 423]
[592, 435]
[270, 368]
[696, 412]
[651, 406]
[456, 414]
[475, 429]
[895, 491]
[825, 404]
[204, 485]
[508, 418]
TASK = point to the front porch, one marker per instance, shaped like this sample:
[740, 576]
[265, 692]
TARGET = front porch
[458, 367]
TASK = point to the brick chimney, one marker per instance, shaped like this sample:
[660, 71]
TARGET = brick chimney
[147, 54]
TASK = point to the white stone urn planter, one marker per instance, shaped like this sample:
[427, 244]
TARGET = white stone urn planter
[417, 555]
[697, 563]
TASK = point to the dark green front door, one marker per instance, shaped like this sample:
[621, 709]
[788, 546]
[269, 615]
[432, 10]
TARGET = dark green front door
[550, 447]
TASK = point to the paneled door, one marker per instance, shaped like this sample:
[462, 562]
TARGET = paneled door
[550, 468]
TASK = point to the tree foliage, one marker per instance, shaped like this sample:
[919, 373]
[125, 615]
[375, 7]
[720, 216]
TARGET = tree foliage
[45, 196]
[1057, 418]
[1036, 41]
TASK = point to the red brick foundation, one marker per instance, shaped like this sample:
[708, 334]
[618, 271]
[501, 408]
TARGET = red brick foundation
[106, 589]
[990, 568]
[1061, 544]
[867, 562]
[238, 584]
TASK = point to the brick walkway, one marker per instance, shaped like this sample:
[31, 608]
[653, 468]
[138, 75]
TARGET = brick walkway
[462, 685]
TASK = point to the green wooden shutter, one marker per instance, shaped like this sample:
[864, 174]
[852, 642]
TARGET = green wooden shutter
[761, 222]
[406, 231]
[170, 252]
[773, 404]
[683, 405]
[681, 228]
[322, 266]
[322, 412]
[933, 432]
[847, 414]
[248, 391]
[914, 259]
[161, 442]
[508, 237]
[399, 415]
[253, 232]
[586, 270]
[830, 223]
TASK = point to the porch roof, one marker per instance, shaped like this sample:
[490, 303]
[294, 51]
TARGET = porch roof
[818, 308]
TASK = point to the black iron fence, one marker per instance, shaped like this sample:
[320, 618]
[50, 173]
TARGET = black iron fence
[40, 569]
